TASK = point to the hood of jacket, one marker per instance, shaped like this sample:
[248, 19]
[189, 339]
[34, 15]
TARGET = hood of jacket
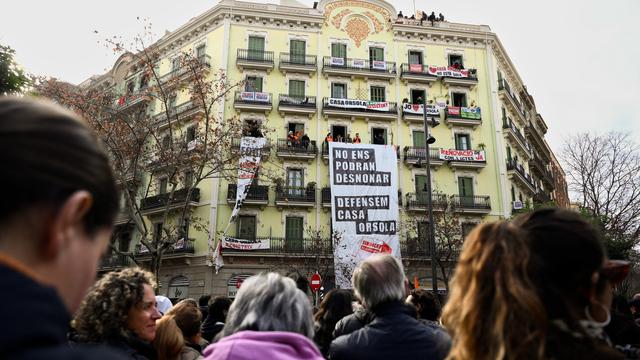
[245, 345]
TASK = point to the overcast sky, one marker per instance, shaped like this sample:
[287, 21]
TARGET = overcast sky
[579, 59]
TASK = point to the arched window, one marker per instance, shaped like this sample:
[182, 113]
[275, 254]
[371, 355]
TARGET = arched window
[178, 289]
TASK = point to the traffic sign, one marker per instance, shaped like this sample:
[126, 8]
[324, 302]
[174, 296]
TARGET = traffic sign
[239, 283]
[316, 282]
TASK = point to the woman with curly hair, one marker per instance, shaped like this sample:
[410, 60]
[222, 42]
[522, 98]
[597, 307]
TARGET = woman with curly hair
[120, 310]
[493, 311]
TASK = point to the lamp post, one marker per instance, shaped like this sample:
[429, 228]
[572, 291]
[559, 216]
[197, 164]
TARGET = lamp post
[431, 240]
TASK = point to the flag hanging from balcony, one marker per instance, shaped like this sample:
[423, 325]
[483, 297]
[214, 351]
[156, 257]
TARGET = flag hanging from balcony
[364, 204]
[250, 152]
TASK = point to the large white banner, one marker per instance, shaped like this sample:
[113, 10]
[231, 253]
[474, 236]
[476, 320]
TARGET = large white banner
[364, 204]
[448, 71]
[250, 152]
[418, 109]
[359, 104]
[462, 155]
[244, 244]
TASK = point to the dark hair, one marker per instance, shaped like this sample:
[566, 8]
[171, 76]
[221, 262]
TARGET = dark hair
[429, 305]
[335, 305]
[217, 308]
[204, 300]
[50, 153]
[566, 250]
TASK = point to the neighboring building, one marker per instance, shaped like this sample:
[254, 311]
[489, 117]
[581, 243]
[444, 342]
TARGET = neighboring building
[561, 191]
[294, 60]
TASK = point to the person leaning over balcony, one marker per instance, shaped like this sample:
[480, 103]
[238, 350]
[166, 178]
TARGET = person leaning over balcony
[120, 310]
[357, 140]
[58, 207]
[270, 317]
[394, 333]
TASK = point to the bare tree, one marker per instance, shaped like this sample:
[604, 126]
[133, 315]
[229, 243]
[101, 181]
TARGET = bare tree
[167, 153]
[602, 171]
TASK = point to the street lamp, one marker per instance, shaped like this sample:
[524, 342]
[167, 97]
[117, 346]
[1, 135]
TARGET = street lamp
[431, 240]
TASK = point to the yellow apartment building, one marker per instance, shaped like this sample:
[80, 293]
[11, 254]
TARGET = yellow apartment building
[347, 67]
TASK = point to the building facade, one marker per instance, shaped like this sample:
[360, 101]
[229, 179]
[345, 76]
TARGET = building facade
[347, 68]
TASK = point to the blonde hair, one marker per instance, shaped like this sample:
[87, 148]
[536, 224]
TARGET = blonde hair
[169, 341]
[493, 310]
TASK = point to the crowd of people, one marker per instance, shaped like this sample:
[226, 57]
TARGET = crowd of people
[343, 139]
[422, 18]
[538, 287]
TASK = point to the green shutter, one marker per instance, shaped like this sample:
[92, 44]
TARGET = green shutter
[297, 51]
[296, 88]
[421, 194]
[253, 84]
[377, 93]
[376, 54]
[256, 48]
[247, 227]
[338, 91]
[293, 233]
[339, 50]
[419, 139]
[465, 187]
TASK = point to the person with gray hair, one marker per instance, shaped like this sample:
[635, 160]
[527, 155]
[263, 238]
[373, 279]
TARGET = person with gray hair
[271, 317]
[381, 286]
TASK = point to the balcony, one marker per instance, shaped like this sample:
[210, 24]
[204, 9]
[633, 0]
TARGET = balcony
[257, 195]
[158, 203]
[366, 69]
[115, 261]
[254, 59]
[416, 156]
[538, 138]
[133, 101]
[296, 196]
[541, 197]
[414, 113]
[417, 73]
[279, 246]
[512, 131]
[463, 116]
[475, 204]
[182, 112]
[536, 165]
[299, 63]
[179, 248]
[517, 173]
[353, 108]
[252, 101]
[264, 152]
[508, 97]
[414, 248]
[464, 159]
[297, 105]
[291, 150]
[186, 71]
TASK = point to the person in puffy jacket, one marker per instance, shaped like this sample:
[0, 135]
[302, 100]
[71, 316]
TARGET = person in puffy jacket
[394, 333]
[269, 319]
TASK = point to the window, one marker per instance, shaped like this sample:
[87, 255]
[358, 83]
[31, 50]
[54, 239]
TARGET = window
[296, 88]
[423, 230]
[338, 132]
[415, 57]
[377, 93]
[463, 142]
[376, 54]
[157, 232]
[200, 52]
[295, 182]
[465, 189]
[339, 50]
[173, 99]
[166, 142]
[191, 133]
[421, 189]
[175, 63]
[253, 84]
[295, 127]
[417, 96]
[508, 153]
[247, 227]
[456, 59]
[131, 86]
[459, 99]
[513, 194]
[419, 140]
[144, 81]
[162, 185]
[183, 232]
[178, 289]
[504, 114]
[297, 49]
[251, 128]
[467, 228]
[256, 48]
[338, 91]
[294, 232]
[379, 136]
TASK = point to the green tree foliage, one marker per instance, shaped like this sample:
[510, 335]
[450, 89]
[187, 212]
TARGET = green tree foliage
[12, 79]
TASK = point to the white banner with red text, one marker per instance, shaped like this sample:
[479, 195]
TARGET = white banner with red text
[462, 155]
[359, 104]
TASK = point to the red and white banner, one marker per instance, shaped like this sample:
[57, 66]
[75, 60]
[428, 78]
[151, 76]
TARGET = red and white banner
[242, 244]
[364, 205]
[416, 68]
[418, 109]
[462, 155]
[359, 104]
[448, 71]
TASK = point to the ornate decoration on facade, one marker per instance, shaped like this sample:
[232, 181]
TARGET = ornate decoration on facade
[377, 25]
[357, 29]
[386, 16]
[337, 20]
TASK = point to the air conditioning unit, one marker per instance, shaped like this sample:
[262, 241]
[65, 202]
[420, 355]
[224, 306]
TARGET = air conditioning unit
[517, 205]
